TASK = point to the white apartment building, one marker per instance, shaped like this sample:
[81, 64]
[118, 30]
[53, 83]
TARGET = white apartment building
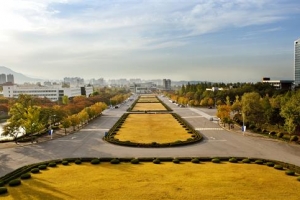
[54, 93]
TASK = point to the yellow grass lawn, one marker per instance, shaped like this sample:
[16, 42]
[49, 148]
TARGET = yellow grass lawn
[146, 181]
[148, 106]
[147, 128]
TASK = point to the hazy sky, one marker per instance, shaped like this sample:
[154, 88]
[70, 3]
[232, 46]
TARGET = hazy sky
[208, 40]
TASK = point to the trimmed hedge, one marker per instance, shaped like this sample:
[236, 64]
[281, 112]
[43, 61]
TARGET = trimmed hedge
[280, 135]
[1, 184]
[156, 161]
[95, 161]
[233, 160]
[270, 164]
[290, 173]
[35, 170]
[3, 190]
[14, 182]
[279, 167]
[78, 162]
[65, 162]
[294, 138]
[42, 167]
[176, 161]
[26, 176]
[115, 161]
[246, 160]
[259, 162]
[298, 179]
[215, 160]
[195, 160]
[135, 161]
[52, 164]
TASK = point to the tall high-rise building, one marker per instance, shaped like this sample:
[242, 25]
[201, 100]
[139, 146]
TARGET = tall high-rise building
[167, 84]
[10, 78]
[297, 62]
[2, 78]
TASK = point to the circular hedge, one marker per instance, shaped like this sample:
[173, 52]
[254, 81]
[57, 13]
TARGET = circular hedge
[26, 176]
[115, 161]
[290, 173]
[14, 182]
[195, 160]
[270, 164]
[52, 164]
[135, 161]
[246, 160]
[42, 167]
[259, 162]
[3, 190]
[233, 160]
[176, 161]
[1, 184]
[35, 170]
[95, 161]
[156, 161]
[298, 179]
[78, 162]
[65, 162]
[215, 160]
[279, 167]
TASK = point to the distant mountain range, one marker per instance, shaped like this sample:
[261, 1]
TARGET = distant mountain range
[18, 77]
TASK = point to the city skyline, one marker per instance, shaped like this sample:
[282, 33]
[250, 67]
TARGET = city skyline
[216, 40]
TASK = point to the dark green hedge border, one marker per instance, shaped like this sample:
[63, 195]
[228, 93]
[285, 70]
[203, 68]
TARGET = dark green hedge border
[168, 109]
[195, 136]
[14, 178]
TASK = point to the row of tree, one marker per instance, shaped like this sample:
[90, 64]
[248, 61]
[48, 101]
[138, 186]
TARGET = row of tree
[35, 115]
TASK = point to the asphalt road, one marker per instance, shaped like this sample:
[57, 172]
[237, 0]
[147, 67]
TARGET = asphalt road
[88, 143]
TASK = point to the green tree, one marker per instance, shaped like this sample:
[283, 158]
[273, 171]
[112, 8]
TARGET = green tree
[252, 109]
[66, 123]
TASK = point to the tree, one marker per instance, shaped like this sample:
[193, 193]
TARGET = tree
[223, 112]
[252, 109]
[74, 119]
[66, 123]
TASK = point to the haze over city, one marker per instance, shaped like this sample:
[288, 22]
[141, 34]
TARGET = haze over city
[206, 40]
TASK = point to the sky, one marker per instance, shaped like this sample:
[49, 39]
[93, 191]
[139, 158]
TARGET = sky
[201, 40]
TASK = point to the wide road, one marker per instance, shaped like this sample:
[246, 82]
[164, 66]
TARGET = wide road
[88, 143]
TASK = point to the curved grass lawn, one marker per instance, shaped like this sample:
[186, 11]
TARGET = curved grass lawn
[148, 106]
[145, 181]
[147, 128]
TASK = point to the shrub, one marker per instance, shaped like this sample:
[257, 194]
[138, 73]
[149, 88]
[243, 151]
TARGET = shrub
[156, 161]
[176, 161]
[135, 161]
[42, 167]
[3, 190]
[290, 173]
[195, 160]
[65, 162]
[233, 160]
[52, 164]
[246, 160]
[278, 167]
[26, 176]
[298, 179]
[115, 161]
[1, 184]
[35, 170]
[280, 135]
[78, 162]
[14, 182]
[260, 162]
[270, 164]
[272, 133]
[294, 138]
[215, 160]
[95, 161]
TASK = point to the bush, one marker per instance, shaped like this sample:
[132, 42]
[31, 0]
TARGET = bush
[14, 182]
[294, 138]
[259, 162]
[52, 164]
[290, 173]
[215, 160]
[3, 190]
[176, 161]
[42, 167]
[280, 135]
[298, 179]
[246, 160]
[65, 162]
[233, 160]
[195, 160]
[77, 162]
[272, 133]
[1, 184]
[156, 161]
[35, 170]
[95, 161]
[115, 161]
[278, 167]
[270, 164]
[135, 161]
[26, 176]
